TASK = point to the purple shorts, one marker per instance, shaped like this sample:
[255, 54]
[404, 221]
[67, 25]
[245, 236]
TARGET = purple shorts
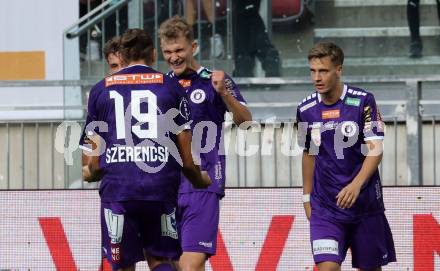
[370, 241]
[129, 228]
[198, 218]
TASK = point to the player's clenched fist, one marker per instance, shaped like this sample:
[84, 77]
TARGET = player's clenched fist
[218, 82]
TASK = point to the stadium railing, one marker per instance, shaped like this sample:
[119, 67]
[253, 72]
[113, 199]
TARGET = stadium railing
[43, 153]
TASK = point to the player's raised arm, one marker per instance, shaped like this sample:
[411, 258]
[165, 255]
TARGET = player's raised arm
[240, 112]
[190, 170]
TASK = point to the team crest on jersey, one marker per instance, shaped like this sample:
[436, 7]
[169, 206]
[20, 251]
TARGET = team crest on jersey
[348, 128]
[198, 96]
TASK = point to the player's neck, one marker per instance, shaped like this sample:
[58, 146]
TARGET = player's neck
[192, 68]
[332, 96]
[137, 62]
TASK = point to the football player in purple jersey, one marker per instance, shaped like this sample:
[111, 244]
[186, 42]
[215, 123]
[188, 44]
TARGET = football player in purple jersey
[210, 95]
[341, 130]
[137, 122]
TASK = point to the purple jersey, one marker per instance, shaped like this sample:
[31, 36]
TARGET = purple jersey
[336, 135]
[143, 111]
[206, 105]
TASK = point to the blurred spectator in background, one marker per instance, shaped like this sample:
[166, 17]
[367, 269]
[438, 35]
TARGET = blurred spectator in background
[413, 16]
[112, 55]
[191, 10]
[251, 40]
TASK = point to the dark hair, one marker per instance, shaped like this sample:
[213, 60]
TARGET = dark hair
[136, 44]
[111, 46]
[323, 49]
[175, 27]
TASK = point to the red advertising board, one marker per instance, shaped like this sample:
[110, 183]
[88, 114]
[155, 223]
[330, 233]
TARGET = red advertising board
[260, 229]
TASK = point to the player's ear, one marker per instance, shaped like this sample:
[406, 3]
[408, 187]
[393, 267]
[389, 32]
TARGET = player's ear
[194, 46]
[339, 70]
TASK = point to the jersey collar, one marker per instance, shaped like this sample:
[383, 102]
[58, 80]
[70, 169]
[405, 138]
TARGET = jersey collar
[200, 69]
[197, 72]
[135, 65]
[344, 92]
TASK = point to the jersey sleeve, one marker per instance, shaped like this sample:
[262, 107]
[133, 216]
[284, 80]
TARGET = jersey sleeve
[372, 124]
[303, 133]
[92, 115]
[232, 87]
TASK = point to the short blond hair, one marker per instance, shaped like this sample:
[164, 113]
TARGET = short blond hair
[323, 49]
[175, 27]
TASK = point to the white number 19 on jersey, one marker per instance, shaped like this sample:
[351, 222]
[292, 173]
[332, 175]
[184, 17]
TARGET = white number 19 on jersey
[137, 97]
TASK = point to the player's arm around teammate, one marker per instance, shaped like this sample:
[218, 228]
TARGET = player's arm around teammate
[189, 169]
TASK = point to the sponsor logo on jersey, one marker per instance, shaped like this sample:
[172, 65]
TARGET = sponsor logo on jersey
[378, 190]
[168, 225]
[230, 87]
[331, 125]
[218, 170]
[380, 123]
[198, 96]
[331, 114]
[353, 101]
[205, 74]
[205, 244]
[183, 108]
[367, 119]
[185, 83]
[325, 246]
[116, 252]
[138, 78]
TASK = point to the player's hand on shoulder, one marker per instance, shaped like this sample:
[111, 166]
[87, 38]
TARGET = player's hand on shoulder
[348, 195]
[218, 81]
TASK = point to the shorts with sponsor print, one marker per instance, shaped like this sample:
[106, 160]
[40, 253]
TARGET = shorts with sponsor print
[370, 241]
[198, 218]
[131, 227]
